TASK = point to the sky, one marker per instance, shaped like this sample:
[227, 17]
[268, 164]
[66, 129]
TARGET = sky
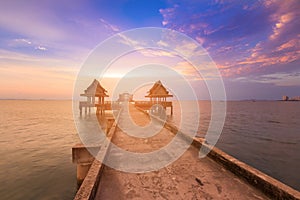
[254, 44]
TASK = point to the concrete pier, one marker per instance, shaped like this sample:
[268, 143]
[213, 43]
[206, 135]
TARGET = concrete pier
[187, 178]
[218, 176]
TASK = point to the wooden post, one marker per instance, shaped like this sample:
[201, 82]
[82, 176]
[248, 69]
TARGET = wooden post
[103, 106]
[80, 108]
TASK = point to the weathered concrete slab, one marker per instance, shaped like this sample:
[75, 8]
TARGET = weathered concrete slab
[89, 186]
[187, 178]
[82, 154]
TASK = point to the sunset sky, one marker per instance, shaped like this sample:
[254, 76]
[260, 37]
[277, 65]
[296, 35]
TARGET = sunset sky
[255, 44]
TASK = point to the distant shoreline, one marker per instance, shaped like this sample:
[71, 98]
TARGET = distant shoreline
[289, 100]
[243, 100]
[35, 99]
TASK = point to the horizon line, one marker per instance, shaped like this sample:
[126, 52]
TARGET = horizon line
[67, 99]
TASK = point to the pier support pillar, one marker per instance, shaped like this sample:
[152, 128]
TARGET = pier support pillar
[81, 155]
[82, 171]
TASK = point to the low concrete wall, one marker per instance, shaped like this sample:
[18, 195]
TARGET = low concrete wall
[89, 186]
[268, 185]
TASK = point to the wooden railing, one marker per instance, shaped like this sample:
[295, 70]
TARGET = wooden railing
[108, 105]
[151, 103]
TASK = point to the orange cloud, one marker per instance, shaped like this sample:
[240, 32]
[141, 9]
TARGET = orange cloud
[280, 25]
[290, 44]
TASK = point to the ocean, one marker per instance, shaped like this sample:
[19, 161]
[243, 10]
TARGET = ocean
[36, 158]
[37, 137]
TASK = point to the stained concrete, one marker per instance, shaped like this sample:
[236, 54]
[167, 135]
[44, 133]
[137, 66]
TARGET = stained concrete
[187, 178]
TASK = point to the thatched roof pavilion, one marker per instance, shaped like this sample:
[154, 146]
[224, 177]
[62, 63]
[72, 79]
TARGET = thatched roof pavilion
[95, 90]
[158, 92]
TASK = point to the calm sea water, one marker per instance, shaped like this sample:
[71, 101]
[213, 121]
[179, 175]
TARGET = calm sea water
[36, 140]
[37, 136]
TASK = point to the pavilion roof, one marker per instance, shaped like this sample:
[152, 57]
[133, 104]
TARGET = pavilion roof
[95, 89]
[158, 90]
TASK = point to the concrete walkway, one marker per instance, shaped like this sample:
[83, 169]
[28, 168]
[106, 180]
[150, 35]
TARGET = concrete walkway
[187, 178]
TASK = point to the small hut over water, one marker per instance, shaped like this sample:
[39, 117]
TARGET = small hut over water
[125, 97]
[95, 90]
[158, 94]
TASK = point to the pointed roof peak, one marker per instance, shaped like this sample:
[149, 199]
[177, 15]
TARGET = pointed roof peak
[158, 90]
[96, 89]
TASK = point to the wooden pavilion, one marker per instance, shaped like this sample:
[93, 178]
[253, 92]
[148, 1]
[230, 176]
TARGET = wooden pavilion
[158, 94]
[95, 90]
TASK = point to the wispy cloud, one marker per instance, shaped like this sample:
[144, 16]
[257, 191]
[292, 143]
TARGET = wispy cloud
[44, 43]
[282, 45]
[133, 42]
[157, 53]
[21, 41]
[9, 59]
[278, 79]
[257, 41]
[242, 37]
[51, 25]
[41, 48]
[187, 70]
[25, 43]
[29, 20]
[27, 76]
[110, 26]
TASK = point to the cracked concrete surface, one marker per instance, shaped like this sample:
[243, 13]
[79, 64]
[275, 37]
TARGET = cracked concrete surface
[187, 178]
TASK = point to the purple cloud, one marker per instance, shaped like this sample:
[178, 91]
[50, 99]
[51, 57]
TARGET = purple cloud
[243, 37]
